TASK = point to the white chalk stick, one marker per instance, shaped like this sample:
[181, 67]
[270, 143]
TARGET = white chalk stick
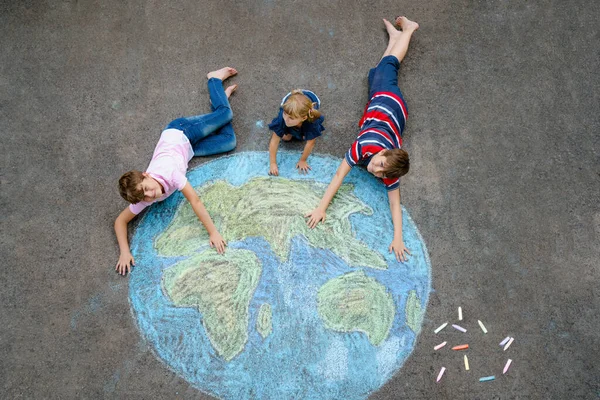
[460, 313]
[441, 374]
[439, 328]
[481, 326]
[506, 366]
[459, 328]
[509, 343]
[506, 339]
[466, 363]
[439, 346]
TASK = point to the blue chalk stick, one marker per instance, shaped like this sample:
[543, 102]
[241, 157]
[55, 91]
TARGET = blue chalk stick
[487, 378]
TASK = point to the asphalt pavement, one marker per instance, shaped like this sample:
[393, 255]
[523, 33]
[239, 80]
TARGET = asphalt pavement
[503, 133]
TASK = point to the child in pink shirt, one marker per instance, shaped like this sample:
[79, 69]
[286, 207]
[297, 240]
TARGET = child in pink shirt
[181, 140]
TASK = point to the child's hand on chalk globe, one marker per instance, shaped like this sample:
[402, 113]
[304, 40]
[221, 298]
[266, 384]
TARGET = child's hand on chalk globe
[397, 246]
[314, 217]
[274, 170]
[125, 263]
[217, 241]
[303, 167]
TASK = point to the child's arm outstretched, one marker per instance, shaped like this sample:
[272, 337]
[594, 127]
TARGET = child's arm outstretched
[318, 214]
[125, 258]
[215, 238]
[397, 245]
[273, 146]
[302, 165]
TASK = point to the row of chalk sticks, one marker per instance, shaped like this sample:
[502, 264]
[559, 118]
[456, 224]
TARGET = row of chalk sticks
[504, 343]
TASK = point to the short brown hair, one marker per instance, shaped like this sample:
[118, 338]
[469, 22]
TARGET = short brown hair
[396, 163]
[129, 186]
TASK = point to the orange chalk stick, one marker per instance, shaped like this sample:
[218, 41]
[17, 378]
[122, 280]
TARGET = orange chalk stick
[461, 347]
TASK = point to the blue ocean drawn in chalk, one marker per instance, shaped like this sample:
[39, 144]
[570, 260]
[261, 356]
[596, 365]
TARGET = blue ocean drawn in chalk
[300, 358]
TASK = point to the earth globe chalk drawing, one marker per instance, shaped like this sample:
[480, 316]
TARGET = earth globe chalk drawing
[287, 312]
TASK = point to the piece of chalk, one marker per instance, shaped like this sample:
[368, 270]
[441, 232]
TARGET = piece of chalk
[439, 346]
[481, 326]
[461, 347]
[460, 313]
[441, 374]
[487, 378]
[506, 366]
[506, 339]
[466, 363]
[459, 328]
[509, 343]
[439, 328]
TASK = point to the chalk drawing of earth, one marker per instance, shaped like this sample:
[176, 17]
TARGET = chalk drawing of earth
[287, 312]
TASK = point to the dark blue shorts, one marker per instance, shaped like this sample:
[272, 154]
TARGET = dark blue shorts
[384, 77]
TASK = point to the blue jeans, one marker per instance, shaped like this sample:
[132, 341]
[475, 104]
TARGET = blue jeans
[384, 77]
[209, 133]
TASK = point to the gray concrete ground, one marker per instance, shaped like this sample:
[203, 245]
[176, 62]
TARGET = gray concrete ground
[504, 185]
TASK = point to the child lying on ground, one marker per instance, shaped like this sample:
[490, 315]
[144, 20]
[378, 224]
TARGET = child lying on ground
[379, 143]
[182, 139]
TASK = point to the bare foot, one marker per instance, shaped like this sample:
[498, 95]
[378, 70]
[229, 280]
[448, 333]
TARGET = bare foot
[230, 89]
[406, 24]
[222, 73]
[393, 32]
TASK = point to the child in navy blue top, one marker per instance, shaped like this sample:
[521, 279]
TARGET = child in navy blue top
[378, 146]
[299, 118]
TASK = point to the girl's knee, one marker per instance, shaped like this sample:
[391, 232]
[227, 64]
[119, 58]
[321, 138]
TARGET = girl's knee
[226, 113]
[229, 115]
[230, 145]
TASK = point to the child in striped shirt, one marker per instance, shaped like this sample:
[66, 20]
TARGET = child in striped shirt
[378, 146]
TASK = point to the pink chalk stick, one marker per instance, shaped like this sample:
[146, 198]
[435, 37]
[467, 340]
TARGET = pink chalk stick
[439, 346]
[441, 374]
[506, 366]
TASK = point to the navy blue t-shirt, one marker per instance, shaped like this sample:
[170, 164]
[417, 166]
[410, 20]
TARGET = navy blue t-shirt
[308, 130]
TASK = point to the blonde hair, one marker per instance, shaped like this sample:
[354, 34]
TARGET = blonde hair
[298, 105]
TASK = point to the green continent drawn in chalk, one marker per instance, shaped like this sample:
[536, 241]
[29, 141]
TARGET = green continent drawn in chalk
[220, 287]
[264, 323]
[356, 302]
[272, 208]
[414, 313]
